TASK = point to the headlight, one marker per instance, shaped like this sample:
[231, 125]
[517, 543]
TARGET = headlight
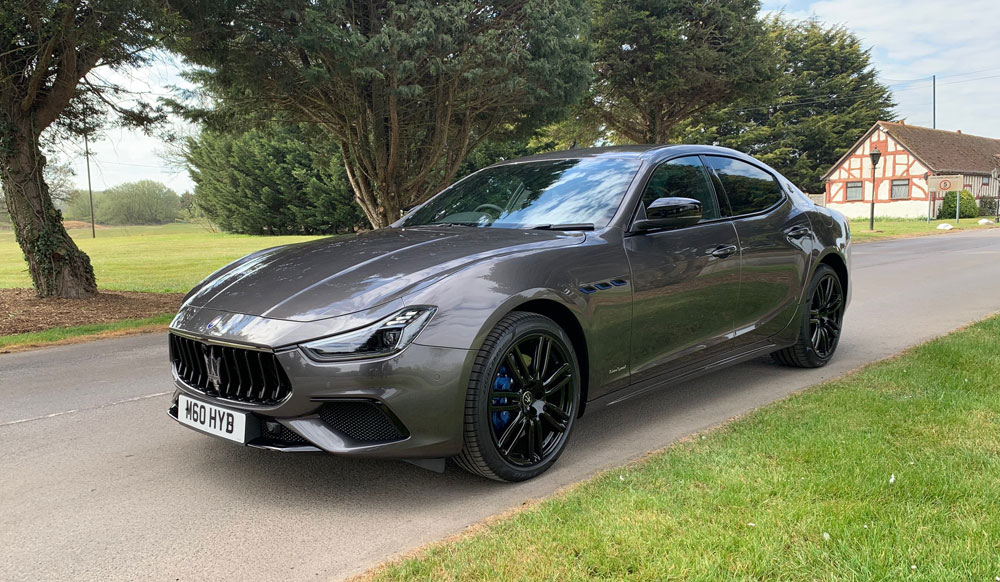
[383, 338]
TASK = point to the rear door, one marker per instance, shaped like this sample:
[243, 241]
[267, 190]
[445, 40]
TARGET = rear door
[685, 281]
[773, 237]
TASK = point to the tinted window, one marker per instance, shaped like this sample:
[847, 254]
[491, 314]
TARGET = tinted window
[682, 178]
[586, 190]
[748, 188]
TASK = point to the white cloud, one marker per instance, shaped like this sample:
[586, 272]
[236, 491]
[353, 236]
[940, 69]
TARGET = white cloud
[914, 39]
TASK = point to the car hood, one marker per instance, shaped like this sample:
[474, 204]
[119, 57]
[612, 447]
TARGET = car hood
[337, 276]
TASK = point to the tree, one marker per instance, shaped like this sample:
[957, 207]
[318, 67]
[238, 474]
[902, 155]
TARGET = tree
[284, 179]
[407, 89]
[827, 95]
[47, 51]
[143, 202]
[59, 178]
[658, 62]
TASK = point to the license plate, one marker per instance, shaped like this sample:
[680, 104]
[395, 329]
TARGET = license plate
[215, 420]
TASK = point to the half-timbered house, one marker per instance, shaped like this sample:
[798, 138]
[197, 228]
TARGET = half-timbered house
[910, 155]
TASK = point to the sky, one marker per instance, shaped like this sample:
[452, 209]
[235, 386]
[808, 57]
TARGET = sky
[910, 40]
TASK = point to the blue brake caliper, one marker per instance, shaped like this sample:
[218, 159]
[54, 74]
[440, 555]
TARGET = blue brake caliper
[502, 384]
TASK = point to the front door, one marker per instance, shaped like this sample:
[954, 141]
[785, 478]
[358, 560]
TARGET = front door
[685, 281]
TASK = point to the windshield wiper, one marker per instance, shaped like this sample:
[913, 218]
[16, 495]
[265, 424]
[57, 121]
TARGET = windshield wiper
[574, 226]
[437, 224]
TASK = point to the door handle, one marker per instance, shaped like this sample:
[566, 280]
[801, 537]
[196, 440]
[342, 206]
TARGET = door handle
[724, 251]
[798, 232]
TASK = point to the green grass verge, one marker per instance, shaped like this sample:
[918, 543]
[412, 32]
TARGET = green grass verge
[58, 334]
[887, 474]
[886, 228]
[162, 259]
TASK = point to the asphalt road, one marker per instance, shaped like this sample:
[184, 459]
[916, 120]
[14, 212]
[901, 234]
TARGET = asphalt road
[98, 483]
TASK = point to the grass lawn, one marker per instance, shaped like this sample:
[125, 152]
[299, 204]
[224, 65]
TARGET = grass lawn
[887, 474]
[906, 227]
[96, 330]
[168, 258]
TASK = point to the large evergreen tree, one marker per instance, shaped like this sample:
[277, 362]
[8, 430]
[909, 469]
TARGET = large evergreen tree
[827, 96]
[658, 62]
[281, 179]
[47, 50]
[407, 89]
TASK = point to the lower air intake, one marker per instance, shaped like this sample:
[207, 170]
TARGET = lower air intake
[362, 421]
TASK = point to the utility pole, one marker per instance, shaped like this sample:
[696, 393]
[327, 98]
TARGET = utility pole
[86, 149]
[933, 101]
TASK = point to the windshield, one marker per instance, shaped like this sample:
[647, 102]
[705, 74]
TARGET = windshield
[533, 194]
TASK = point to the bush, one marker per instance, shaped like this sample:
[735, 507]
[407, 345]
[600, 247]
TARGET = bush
[987, 207]
[280, 180]
[969, 207]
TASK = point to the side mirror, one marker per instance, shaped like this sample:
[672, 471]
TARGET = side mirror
[669, 213]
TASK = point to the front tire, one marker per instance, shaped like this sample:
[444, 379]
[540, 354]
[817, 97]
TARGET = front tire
[523, 398]
[820, 327]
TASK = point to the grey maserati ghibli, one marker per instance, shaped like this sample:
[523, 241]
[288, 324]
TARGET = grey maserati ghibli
[483, 324]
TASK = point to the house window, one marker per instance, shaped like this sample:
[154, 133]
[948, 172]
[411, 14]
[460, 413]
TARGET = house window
[986, 180]
[900, 189]
[855, 191]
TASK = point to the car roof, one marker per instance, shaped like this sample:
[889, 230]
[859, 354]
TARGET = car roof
[644, 152]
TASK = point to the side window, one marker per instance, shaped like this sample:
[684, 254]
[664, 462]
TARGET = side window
[682, 178]
[854, 191]
[748, 188]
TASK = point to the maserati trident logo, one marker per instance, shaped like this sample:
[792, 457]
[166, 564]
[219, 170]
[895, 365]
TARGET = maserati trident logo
[213, 366]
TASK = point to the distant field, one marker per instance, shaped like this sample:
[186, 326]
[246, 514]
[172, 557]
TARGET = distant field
[905, 227]
[168, 258]
[174, 257]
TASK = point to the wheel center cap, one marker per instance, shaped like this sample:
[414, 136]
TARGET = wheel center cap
[527, 398]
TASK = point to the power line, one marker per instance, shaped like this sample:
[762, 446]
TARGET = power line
[969, 73]
[969, 80]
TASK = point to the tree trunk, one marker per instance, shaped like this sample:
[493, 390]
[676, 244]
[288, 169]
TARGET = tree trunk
[57, 266]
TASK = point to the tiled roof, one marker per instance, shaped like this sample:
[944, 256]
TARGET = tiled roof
[946, 151]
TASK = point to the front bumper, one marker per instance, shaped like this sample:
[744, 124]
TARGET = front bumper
[420, 391]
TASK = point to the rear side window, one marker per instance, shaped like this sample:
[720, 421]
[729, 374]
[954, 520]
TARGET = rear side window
[748, 188]
[683, 178]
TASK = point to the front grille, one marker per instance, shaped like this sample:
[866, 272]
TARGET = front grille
[362, 421]
[226, 372]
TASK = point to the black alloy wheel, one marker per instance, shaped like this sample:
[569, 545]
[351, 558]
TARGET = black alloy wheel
[822, 322]
[826, 310]
[522, 401]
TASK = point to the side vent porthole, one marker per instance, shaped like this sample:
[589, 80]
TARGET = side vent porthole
[603, 286]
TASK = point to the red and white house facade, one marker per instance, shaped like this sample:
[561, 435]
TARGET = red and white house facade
[900, 180]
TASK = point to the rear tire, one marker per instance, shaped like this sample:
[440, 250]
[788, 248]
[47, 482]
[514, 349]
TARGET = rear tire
[514, 438]
[820, 326]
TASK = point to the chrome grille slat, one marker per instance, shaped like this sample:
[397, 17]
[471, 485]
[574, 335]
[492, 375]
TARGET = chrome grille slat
[244, 375]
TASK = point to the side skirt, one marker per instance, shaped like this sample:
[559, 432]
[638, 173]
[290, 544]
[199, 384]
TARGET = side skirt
[744, 354]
